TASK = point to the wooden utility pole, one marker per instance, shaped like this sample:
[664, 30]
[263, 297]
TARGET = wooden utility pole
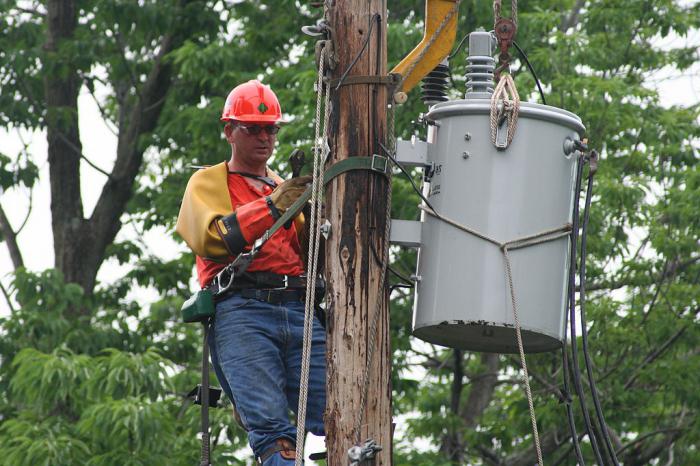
[355, 206]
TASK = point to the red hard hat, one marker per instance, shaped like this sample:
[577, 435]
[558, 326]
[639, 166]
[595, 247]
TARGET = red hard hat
[252, 101]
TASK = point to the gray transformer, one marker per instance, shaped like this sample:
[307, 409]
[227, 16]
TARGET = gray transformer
[463, 297]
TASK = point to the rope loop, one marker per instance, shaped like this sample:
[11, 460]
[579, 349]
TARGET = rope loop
[505, 107]
[505, 247]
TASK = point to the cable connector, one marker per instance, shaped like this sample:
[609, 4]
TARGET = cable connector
[593, 158]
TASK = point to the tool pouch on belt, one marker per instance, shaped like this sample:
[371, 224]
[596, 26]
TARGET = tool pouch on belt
[200, 306]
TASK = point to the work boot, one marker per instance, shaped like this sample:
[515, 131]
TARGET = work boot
[284, 447]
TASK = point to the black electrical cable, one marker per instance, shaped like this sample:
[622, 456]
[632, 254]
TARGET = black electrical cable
[569, 409]
[565, 364]
[405, 279]
[532, 70]
[584, 331]
[572, 315]
[459, 46]
[376, 17]
[408, 175]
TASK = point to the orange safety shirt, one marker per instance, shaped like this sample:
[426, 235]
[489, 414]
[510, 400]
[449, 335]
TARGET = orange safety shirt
[281, 254]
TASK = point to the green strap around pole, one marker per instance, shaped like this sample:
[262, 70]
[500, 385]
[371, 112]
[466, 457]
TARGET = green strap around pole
[375, 163]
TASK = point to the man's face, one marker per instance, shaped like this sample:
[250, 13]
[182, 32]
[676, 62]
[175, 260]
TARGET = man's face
[253, 142]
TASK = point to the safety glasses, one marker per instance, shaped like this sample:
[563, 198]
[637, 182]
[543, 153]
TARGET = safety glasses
[254, 130]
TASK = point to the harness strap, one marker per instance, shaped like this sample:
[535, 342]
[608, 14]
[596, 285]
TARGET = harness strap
[389, 80]
[375, 163]
[205, 396]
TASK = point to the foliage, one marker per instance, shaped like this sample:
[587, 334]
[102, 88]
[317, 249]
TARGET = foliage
[91, 375]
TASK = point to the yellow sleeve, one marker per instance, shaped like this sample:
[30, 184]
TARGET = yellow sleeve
[206, 199]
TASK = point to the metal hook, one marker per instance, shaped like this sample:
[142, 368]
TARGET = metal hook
[321, 28]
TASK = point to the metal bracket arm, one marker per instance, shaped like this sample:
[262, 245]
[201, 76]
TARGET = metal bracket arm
[412, 153]
[430, 51]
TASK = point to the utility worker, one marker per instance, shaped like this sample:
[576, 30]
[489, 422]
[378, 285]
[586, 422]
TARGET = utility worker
[257, 337]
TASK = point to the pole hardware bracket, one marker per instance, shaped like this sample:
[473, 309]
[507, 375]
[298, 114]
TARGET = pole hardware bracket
[380, 164]
[196, 396]
[325, 229]
[363, 455]
[390, 80]
[324, 32]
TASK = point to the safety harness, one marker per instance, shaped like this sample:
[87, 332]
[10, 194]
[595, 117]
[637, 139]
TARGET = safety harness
[200, 307]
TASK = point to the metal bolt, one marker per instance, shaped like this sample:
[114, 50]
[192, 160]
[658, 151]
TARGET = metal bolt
[467, 136]
[400, 97]
[326, 229]
[466, 155]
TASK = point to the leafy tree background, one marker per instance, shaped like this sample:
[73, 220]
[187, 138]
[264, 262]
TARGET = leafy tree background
[90, 375]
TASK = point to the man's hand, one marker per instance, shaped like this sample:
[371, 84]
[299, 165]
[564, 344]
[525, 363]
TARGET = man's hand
[288, 192]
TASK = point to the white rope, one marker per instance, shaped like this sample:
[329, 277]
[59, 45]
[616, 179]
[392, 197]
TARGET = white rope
[523, 363]
[497, 11]
[505, 105]
[312, 259]
[523, 242]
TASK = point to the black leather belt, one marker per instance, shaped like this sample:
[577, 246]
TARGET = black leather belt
[272, 296]
[269, 287]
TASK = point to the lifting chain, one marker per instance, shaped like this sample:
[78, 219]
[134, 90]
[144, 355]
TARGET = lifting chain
[505, 29]
[505, 101]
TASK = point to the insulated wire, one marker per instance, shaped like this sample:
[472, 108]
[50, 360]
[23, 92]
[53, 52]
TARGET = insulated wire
[569, 410]
[408, 175]
[584, 331]
[532, 70]
[459, 46]
[376, 17]
[565, 356]
[572, 320]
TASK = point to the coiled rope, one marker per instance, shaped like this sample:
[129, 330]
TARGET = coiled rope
[320, 144]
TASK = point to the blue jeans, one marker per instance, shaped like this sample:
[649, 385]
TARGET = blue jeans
[256, 353]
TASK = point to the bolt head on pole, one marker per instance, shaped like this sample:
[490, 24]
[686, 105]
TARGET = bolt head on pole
[400, 97]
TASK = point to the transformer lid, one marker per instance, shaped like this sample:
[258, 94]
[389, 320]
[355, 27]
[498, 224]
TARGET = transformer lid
[527, 110]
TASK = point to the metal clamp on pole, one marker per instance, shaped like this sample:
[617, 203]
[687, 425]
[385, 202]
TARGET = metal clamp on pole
[364, 455]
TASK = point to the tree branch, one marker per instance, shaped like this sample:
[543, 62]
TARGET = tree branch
[549, 386]
[8, 299]
[452, 444]
[654, 355]
[671, 271]
[63, 137]
[481, 391]
[570, 20]
[550, 442]
[640, 456]
[103, 113]
[10, 238]
[105, 221]
[29, 212]
[30, 11]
